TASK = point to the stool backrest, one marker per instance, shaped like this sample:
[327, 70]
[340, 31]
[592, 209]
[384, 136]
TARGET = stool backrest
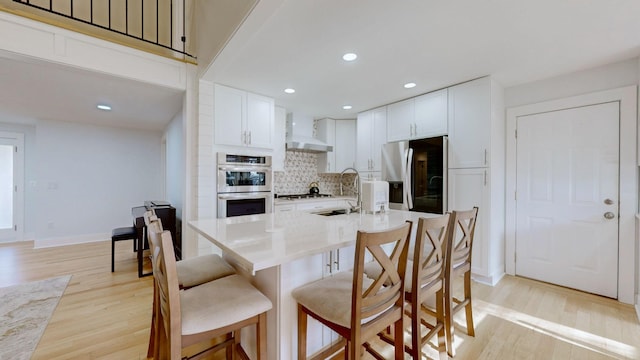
[460, 244]
[383, 299]
[429, 257]
[166, 277]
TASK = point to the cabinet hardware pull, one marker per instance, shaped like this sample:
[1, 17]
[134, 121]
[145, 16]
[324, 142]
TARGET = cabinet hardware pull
[337, 262]
[249, 137]
[485, 178]
[485, 156]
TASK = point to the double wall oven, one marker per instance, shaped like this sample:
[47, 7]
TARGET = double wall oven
[244, 185]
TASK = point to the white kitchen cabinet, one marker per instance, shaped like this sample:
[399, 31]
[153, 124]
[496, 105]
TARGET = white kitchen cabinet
[469, 188]
[470, 124]
[242, 118]
[279, 138]
[419, 117]
[400, 120]
[431, 115]
[476, 169]
[371, 134]
[340, 134]
[284, 207]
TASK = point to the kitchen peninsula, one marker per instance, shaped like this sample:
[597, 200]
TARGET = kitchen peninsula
[282, 251]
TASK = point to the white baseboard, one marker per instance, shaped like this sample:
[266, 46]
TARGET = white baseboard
[70, 240]
[488, 280]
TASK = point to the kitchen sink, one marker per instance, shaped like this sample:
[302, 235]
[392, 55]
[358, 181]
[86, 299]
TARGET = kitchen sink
[332, 212]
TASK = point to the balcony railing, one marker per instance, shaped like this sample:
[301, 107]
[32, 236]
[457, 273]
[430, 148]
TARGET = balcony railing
[162, 23]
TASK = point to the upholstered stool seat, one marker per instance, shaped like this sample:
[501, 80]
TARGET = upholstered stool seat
[220, 303]
[122, 233]
[201, 269]
[330, 297]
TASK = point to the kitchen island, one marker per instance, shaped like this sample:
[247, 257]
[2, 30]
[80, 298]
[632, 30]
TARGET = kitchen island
[281, 251]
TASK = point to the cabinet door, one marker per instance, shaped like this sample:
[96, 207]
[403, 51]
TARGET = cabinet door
[469, 188]
[364, 131]
[284, 208]
[279, 135]
[345, 145]
[430, 115]
[229, 112]
[400, 120]
[470, 124]
[326, 131]
[259, 123]
[379, 137]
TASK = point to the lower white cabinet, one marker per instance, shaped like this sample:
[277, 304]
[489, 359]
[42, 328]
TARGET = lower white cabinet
[469, 188]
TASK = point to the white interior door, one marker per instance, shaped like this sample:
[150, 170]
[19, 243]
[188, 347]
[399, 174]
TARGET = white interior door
[11, 180]
[567, 197]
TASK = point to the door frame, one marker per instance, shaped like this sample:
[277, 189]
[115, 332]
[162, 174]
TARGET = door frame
[18, 215]
[628, 177]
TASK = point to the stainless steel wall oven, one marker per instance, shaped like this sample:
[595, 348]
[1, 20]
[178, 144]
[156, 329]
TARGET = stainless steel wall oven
[244, 185]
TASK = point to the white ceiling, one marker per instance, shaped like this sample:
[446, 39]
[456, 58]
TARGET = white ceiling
[434, 43]
[32, 89]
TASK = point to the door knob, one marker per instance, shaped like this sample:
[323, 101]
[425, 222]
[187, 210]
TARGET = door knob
[608, 202]
[609, 215]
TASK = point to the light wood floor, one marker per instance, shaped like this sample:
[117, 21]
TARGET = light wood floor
[104, 315]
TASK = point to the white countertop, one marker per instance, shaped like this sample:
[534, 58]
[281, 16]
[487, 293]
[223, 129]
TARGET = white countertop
[258, 242]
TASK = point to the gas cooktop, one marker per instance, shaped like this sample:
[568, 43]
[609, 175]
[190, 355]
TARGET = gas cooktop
[303, 196]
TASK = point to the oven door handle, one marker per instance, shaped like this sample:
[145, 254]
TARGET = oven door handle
[252, 195]
[244, 168]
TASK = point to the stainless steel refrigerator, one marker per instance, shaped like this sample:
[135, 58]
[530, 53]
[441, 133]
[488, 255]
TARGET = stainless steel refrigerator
[416, 171]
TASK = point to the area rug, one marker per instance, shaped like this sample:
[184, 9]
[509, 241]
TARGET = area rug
[25, 311]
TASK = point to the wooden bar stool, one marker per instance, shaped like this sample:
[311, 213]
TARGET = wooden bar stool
[205, 312]
[462, 228]
[354, 306]
[119, 234]
[191, 272]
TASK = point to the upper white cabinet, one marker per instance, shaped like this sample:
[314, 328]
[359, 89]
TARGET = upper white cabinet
[470, 124]
[242, 118]
[279, 138]
[371, 134]
[400, 120]
[419, 117]
[339, 134]
[431, 114]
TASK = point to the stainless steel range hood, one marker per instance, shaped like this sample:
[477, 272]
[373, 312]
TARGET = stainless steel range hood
[300, 135]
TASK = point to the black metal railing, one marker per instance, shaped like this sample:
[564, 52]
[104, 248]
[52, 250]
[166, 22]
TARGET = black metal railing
[127, 17]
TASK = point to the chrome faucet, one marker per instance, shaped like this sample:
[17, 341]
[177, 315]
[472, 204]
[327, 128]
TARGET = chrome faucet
[358, 189]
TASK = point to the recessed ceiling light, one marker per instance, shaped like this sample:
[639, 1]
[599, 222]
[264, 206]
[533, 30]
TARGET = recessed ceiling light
[409, 85]
[347, 107]
[289, 90]
[104, 107]
[349, 57]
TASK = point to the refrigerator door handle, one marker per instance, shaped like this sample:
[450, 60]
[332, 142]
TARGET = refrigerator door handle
[445, 174]
[407, 183]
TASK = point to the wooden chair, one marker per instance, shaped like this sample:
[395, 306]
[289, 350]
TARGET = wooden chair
[462, 228]
[191, 272]
[231, 304]
[354, 306]
[424, 290]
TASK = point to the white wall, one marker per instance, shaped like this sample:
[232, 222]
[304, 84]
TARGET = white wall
[89, 177]
[175, 164]
[606, 77]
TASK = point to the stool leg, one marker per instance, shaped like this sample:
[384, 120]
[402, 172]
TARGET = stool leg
[113, 247]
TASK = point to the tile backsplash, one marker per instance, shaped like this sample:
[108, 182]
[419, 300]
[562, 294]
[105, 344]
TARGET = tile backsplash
[300, 170]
